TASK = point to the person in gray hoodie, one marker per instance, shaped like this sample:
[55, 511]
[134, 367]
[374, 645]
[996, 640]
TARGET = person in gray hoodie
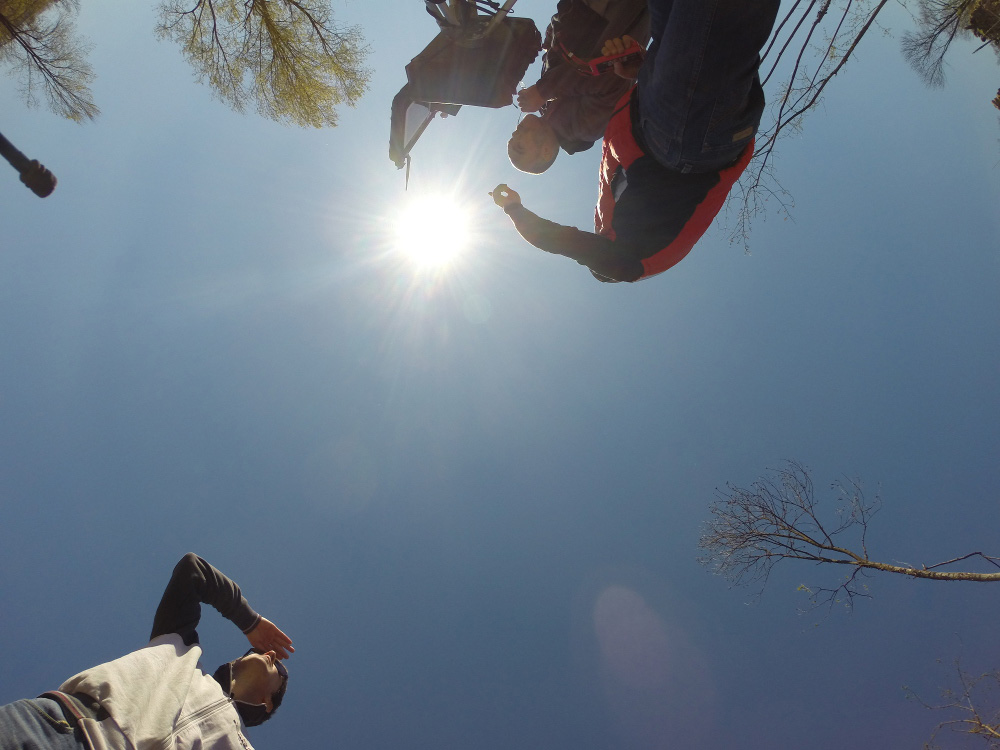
[158, 697]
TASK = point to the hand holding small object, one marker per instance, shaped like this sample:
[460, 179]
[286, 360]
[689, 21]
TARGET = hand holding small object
[529, 99]
[503, 196]
[618, 46]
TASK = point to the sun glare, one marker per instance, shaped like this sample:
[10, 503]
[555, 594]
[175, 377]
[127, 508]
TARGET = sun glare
[432, 231]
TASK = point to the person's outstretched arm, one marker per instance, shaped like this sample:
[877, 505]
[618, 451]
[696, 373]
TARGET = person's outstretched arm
[601, 255]
[195, 582]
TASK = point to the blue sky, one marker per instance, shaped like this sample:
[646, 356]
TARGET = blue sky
[473, 498]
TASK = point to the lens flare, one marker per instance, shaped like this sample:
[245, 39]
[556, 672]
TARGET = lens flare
[432, 231]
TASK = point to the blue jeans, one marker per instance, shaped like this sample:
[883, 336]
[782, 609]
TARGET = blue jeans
[37, 724]
[700, 98]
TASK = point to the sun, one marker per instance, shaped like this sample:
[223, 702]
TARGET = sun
[432, 231]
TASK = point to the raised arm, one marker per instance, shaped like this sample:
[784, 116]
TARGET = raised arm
[194, 582]
[601, 255]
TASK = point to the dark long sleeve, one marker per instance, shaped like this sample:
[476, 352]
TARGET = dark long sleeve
[195, 582]
[579, 106]
[601, 255]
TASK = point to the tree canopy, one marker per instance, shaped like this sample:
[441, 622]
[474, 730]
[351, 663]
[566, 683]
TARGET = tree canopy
[286, 58]
[39, 43]
[939, 23]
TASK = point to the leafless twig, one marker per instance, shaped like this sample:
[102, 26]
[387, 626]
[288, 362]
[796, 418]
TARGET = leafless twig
[778, 518]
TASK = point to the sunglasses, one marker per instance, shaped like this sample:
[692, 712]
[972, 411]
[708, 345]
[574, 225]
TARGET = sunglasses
[277, 662]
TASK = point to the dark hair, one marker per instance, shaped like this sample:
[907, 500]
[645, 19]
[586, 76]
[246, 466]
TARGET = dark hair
[224, 676]
[277, 696]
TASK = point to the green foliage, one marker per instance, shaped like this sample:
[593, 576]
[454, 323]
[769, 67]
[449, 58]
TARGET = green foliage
[287, 58]
[19, 14]
[984, 21]
[39, 44]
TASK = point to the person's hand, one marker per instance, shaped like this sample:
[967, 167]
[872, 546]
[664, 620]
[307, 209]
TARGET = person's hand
[503, 196]
[616, 47]
[266, 636]
[529, 100]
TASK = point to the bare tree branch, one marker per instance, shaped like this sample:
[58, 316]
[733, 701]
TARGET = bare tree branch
[802, 68]
[778, 518]
[812, 42]
[975, 707]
